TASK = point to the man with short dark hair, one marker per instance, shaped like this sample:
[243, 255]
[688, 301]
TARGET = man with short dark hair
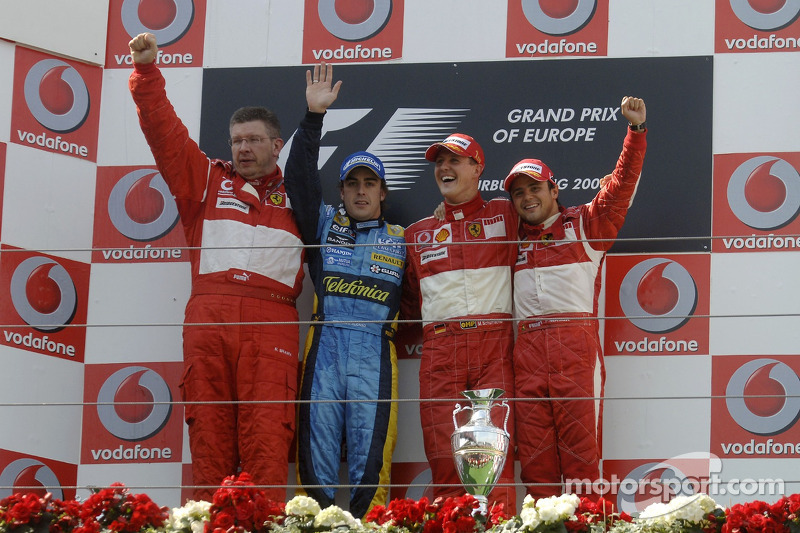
[234, 215]
[556, 287]
[458, 281]
[356, 261]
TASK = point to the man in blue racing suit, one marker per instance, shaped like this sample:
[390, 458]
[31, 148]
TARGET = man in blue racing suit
[350, 360]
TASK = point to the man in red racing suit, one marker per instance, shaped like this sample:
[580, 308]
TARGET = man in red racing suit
[556, 286]
[233, 214]
[459, 282]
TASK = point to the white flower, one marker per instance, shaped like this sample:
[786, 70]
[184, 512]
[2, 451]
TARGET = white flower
[302, 506]
[191, 516]
[529, 501]
[334, 516]
[689, 508]
[529, 516]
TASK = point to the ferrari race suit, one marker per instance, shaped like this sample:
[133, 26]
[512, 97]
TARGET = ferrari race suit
[350, 359]
[237, 277]
[556, 288]
[459, 282]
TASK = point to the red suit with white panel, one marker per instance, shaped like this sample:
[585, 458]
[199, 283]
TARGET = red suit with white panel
[462, 293]
[556, 287]
[237, 277]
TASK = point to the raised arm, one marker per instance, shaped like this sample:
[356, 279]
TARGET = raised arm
[301, 175]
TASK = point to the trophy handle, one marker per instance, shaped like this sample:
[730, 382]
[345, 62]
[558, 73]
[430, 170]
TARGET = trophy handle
[504, 403]
[458, 409]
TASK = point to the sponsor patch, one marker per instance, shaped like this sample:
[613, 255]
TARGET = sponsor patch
[389, 260]
[337, 238]
[444, 235]
[232, 203]
[394, 230]
[341, 252]
[468, 324]
[432, 255]
[338, 261]
[377, 269]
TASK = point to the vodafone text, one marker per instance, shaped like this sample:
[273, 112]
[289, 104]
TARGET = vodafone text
[763, 43]
[656, 345]
[414, 349]
[356, 52]
[54, 143]
[161, 59]
[561, 47]
[762, 242]
[770, 447]
[142, 254]
[131, 454]
[39, 342]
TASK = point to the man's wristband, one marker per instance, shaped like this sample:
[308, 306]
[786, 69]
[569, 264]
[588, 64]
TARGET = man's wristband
[638, 127]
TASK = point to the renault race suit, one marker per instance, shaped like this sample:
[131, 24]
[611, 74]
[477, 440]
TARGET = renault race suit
[237, 277]
[458, 280]
[556, 288]
[350, 356]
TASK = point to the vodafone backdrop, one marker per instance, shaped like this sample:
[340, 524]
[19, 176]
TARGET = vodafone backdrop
[700, 308]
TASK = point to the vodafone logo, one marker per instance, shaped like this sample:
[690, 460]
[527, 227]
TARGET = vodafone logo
[632, 498]
[354, 20]
[558, 17]
[765, 415]
[43, 294]
[141, 207]
[168, 20]
[134, 422]
[764, 192]
[766, 15]
[25, 473]
[56, 95]
[658, 295]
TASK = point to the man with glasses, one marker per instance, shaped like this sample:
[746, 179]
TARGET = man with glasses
[246, 266]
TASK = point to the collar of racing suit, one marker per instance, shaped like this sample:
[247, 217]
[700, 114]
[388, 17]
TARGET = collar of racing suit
[460, 211]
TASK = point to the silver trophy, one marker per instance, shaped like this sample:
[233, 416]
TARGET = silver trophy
[480, 447]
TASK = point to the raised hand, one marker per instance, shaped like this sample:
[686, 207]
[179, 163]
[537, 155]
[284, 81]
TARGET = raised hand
[633, 109]
[321, 92]
[144, 48]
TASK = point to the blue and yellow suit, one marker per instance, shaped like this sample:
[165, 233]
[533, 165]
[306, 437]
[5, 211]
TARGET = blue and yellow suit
[350, 359]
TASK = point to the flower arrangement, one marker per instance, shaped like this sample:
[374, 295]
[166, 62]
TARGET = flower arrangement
[239, 507]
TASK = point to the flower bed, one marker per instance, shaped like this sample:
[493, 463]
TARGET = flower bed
[238, 507]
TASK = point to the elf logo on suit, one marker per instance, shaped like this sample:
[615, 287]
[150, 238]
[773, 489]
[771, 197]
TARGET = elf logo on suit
[168, 21]
[28, 472]
[141, 207]
[658, 295]
[56, 95]
[137, 421]
[765, 415]
[43, 294]
[764, 192]
[558, 18]
[766, 15]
